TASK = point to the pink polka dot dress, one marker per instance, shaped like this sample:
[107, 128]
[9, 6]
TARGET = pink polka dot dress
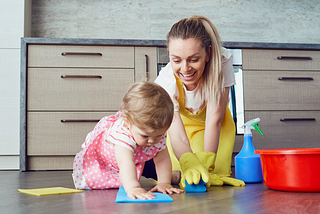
[95, 166]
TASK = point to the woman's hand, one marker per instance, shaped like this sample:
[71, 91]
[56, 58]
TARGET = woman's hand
[140, 193]
[166, 189]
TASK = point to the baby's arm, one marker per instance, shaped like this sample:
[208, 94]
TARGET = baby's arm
[164, 171]
[128, 174]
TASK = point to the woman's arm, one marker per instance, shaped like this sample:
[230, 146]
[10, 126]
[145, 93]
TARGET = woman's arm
[214, 119]
[178, 136]
[191, 167]
[128, 174]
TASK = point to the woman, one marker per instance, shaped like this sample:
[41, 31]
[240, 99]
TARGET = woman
[198, 77]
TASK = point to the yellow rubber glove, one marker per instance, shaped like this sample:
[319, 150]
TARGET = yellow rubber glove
[232, 181]
[208, 160]
[192, 170]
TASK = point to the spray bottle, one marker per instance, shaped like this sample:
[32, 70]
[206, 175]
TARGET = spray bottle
[247, 164]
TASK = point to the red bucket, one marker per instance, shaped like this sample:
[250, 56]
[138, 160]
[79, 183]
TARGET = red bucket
[291, 169]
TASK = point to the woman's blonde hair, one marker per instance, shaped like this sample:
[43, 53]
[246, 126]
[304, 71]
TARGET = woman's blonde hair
[202, 29]
[148, 106]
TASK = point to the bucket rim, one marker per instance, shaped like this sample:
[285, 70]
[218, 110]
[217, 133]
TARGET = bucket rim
[295, 151]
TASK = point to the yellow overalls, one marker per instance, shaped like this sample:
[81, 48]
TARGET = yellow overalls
[195, 125]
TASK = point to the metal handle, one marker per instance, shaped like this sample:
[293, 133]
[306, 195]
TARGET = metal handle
[147, 67]
[79, 121]
[80, 53]
[295, 78]
[81, 76]
[297, 119]
[294, 58]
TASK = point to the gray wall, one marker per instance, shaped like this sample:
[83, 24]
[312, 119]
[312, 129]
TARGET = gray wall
[279, 21]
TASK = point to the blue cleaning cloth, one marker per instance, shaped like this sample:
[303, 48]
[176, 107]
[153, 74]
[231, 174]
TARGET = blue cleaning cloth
[200, 187]
[159, 198]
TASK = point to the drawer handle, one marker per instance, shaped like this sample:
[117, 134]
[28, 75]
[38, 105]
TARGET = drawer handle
[147, 67]
[79, 121]
[81, 76]
[80, 54]
[297, 119]
[295, 78]
[294, 58]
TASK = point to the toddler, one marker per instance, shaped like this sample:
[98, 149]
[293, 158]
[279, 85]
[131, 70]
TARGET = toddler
[115, 152]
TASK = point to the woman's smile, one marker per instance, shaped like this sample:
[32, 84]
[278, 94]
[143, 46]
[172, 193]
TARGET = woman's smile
[188, 76]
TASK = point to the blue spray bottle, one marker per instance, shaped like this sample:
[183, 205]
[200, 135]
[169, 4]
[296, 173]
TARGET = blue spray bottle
[247, 164]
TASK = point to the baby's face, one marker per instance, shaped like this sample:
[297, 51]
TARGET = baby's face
[146, 139]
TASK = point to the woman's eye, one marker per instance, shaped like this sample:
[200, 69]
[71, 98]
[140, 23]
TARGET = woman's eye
[194, 60]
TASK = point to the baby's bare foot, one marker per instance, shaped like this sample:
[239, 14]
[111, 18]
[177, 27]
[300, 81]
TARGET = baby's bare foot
[176, 177]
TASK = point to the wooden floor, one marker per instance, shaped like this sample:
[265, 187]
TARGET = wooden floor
[253, 198]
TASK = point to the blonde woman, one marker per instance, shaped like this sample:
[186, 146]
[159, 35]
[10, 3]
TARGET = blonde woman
[198, 79]
[114, 153]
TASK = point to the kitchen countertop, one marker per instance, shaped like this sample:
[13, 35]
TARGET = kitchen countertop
[253, 198]
[162, 43]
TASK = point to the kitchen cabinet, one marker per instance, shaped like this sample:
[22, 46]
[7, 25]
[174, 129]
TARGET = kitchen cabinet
[281, 87]
[65, 91]
[68, 89]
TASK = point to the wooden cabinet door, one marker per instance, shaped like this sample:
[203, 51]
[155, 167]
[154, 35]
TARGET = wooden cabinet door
[79, 89]
[145, 63]
[80, 56]
[286, 129]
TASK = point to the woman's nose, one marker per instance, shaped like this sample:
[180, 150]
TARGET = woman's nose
[184, 66]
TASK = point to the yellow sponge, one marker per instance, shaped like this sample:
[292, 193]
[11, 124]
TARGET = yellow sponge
[49, 191]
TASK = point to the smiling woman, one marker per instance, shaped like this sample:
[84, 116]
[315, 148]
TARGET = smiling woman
[198, 77]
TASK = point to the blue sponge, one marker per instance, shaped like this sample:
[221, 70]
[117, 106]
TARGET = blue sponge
[200, 187]
[159, 198]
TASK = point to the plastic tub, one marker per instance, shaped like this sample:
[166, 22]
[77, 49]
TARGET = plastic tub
[291, 169]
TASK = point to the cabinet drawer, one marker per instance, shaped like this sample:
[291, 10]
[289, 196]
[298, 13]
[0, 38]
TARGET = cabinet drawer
[48, 135]
[282, 90]
[96, 89]
[50, 162]
[280, 59]
[80, 56]
[298, 130]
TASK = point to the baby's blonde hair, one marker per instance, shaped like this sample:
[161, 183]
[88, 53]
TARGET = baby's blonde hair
[148, 106]
[202, 29]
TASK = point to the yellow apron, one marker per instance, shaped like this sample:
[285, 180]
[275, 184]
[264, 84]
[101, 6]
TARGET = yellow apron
[195, 126]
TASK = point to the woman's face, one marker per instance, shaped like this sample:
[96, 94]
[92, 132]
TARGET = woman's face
[188, 60]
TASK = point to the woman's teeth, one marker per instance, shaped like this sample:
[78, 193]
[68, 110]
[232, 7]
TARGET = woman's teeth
[188, 75]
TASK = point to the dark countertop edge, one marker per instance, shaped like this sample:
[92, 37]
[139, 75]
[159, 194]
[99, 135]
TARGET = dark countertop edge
[80, 41]
[162, 43]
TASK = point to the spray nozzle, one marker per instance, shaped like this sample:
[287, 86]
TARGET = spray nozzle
[252, 124]
[256, 127]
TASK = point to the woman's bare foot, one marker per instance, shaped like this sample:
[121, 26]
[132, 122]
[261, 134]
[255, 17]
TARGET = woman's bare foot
[176, 177]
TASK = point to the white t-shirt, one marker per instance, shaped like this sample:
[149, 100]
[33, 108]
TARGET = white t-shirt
[193, 99]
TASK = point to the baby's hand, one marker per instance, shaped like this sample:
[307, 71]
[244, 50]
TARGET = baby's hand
[140, 193]
[166, 188]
